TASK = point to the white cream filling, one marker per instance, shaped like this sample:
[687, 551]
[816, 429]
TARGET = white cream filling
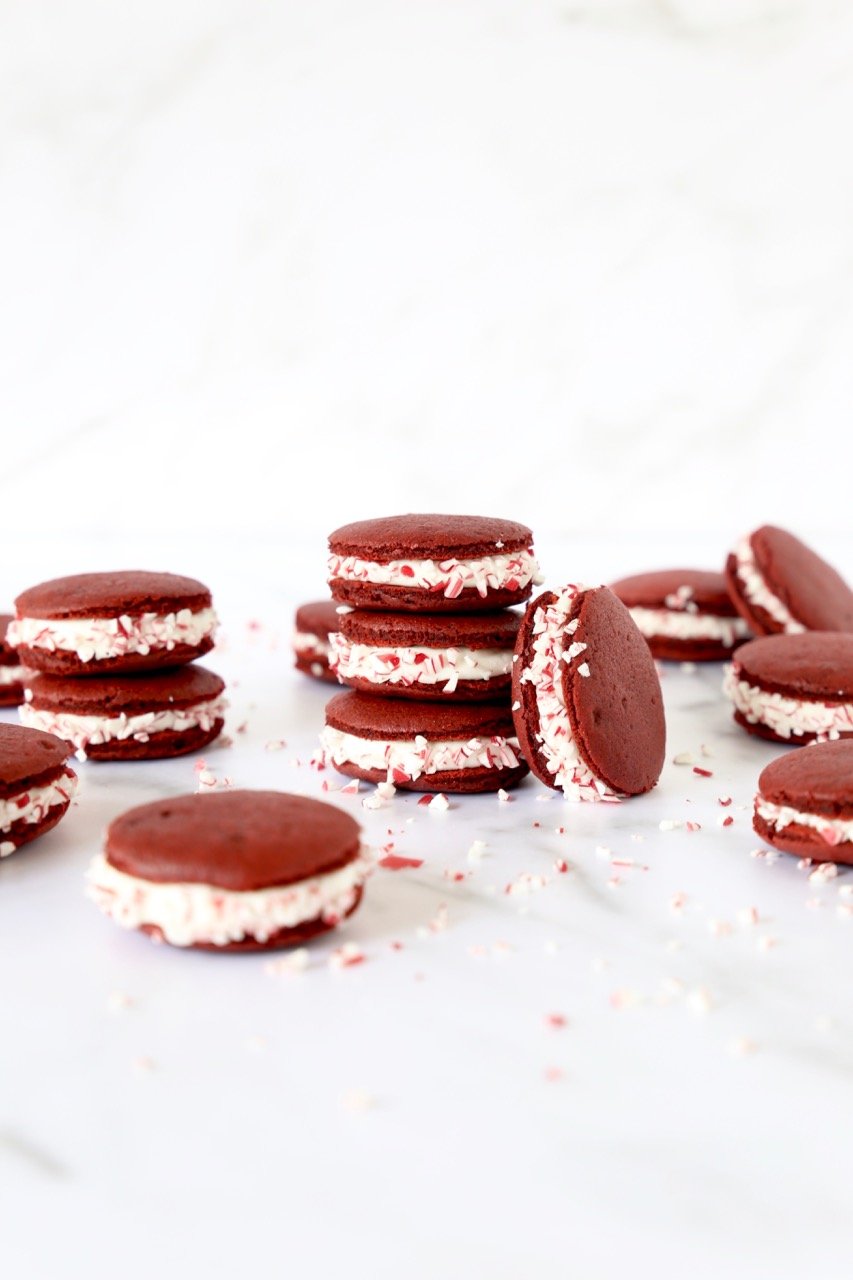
[562, 758]
[83, 731]
[759, 594]
[833, 830]
[667, 624]
[14, 675]
[33, 804]
[96, 639]
[786, 716]
[511, 572]
[417, 665]
[405, 760]
[307, 645]
[191, 913]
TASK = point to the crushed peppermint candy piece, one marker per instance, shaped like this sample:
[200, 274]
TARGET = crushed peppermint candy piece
[346, 956]
[294, 962]
[556, 1021]
[477, 851]
[395, 862]
[382, 796]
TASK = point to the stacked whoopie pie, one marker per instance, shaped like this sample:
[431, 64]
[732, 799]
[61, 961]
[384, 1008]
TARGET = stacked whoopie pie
[109, 657]
[425, 640]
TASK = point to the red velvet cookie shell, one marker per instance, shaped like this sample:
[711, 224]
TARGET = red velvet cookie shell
[429, 537]
[814, 593]
[109, 595]
[709, 591]
[233, 840]
[817, 665]
[317, 617]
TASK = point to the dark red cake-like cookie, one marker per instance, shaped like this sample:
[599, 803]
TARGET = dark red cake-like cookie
[460, 656]
[804, 803]
[313, 624]
[781, 585]
[423, 746]
[128, 621]
[432, 563]
[794, 688]
[686, 615]
[36, 785]
[586, 697]
[231, 870]
[129, 717]
[12, 671]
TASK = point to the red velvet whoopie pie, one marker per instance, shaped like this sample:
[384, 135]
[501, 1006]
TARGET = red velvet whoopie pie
[432, 563]
[587, 701]
[126, 621]
[36, 785]
[231, 870]
[423, 746]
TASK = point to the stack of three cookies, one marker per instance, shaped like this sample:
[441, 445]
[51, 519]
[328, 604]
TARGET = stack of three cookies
[425, 641]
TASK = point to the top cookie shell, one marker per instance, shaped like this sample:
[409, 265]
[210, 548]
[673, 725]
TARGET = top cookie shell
[27, 757]
[816, 664]
[235, 840]
[317, 617]
[708, 590]
[818, 779]
[814, 593]
[429, 537]
[107, 595]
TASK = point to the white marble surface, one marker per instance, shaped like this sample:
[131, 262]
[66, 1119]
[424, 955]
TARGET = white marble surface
[447, 242]
[397, 1118]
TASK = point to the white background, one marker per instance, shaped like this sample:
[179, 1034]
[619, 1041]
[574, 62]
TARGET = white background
[269, 267]
[587, 263]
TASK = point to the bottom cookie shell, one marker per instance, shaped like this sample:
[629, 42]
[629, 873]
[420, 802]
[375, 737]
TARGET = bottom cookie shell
[803, 842]
[762, 731]
[278, 941]
[457, 781]
[160, 746]
[668, 650]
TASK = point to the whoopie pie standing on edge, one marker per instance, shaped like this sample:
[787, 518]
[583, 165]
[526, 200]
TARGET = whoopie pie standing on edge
[125, 621]
[231, 870]
[432, 563]
[804, 803]
[148, 716]
[313, 624]
[686, 615]
[794, 688]
[13, 675]
[423, 746]
[36, 785]
[587, 700]
[781, 585]
[456, 656]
